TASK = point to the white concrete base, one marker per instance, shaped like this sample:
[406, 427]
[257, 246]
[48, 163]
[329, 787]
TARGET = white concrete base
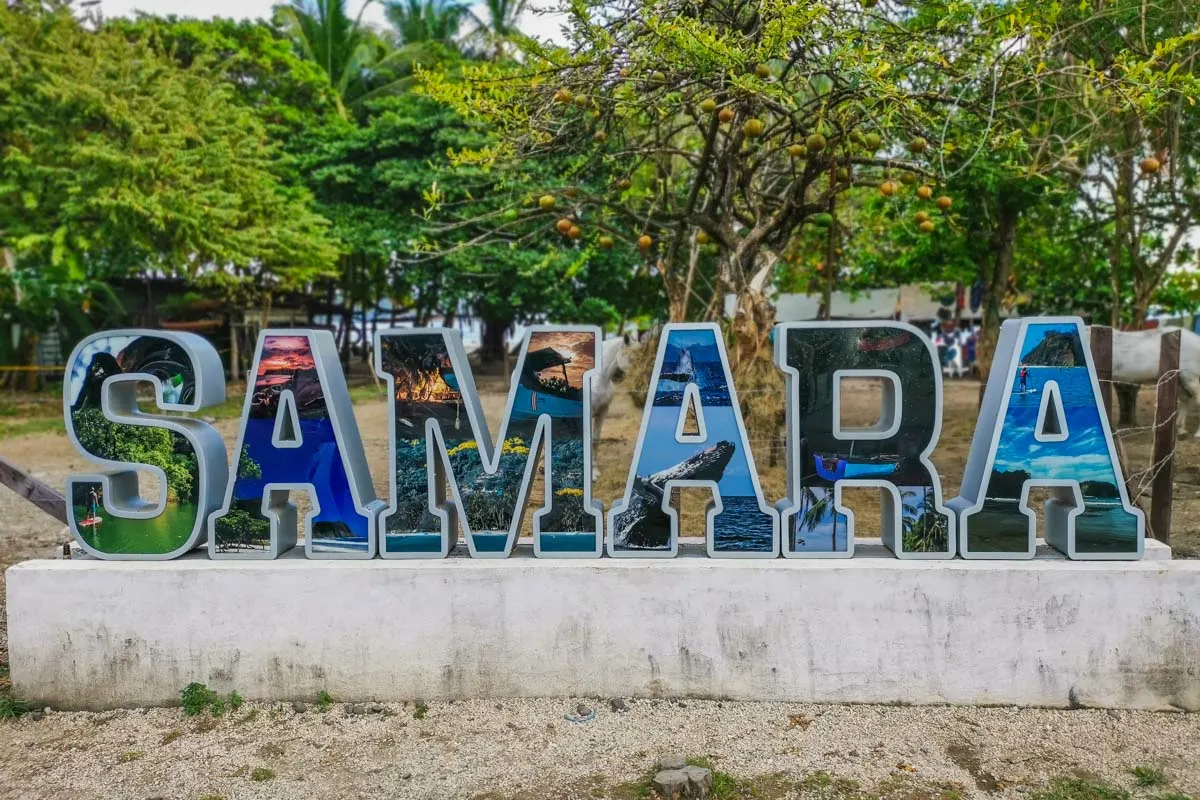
[95, 634]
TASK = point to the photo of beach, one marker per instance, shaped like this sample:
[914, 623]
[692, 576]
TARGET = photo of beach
[430, 386]
[1075, 448]
[103, 358]
[813, 524]
[692, 358]
[306, 452]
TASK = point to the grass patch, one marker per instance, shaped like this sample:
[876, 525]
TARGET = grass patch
[420, 710]
[196, 698]
[33, 425]
[1149, 777]
[132, 755]
[1078, 789]
[324, 701]
[10, 707]
[260, 774]
[172, 735]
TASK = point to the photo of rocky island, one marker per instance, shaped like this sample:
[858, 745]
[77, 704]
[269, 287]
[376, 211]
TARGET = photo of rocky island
[103, 358]
[308, 453]
[427, 388]
[691, 357]
[1052, 360]
[814, 525]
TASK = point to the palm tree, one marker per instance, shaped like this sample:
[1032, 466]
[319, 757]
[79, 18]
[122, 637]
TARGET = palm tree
[500, 25]
[422, 21]
[345, 49]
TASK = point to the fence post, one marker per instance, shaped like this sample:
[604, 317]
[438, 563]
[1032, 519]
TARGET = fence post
[1101, 340]
[1165, 436]
[33, 490]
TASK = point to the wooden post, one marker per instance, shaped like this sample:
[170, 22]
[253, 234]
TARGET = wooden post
[1101, 344]
[33, 490]
[1167, 405]
[1102, 356]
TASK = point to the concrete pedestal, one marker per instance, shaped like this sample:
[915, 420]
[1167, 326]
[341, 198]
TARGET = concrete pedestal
[94, 634]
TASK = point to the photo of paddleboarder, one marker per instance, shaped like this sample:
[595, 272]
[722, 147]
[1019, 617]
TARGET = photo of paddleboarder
[1024, 379]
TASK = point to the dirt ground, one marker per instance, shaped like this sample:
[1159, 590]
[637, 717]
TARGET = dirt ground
[526, 749]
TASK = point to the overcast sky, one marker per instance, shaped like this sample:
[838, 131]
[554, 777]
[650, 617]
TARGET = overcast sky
[542, 26]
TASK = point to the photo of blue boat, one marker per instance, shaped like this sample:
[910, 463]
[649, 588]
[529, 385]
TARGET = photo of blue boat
[1051, 364]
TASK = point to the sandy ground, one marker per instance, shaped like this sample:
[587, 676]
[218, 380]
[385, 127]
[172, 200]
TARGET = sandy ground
[526, 749]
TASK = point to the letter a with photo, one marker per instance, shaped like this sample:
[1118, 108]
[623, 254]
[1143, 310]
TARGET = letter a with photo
[691, 376]
[298, 434]
[1042, 425]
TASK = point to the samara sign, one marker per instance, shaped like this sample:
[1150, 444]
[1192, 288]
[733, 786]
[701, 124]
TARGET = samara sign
[1041, 425]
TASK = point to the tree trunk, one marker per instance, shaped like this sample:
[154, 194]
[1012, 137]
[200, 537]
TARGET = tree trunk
[995, 278]
[491, 349]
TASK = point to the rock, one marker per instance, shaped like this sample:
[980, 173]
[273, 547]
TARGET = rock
[681, 704]
[406, 776]
[375, 708]
[512, 726]
[358, 709]
[853, 754]
[36, 716]
[299, 707]
[1112, 712]
[583, 710]
[688, 783]
[618, 705]
[672, 762]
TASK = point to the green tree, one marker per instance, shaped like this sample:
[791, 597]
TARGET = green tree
[116, 160]
[358, 62]
[421, 21]
[499, 25]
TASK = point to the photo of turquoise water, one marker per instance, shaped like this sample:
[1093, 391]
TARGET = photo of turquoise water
[1052, 361]
[692, 358]
[103, 530]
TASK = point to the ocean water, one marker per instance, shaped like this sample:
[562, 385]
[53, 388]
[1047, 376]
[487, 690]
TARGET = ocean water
[709, 378]
[741, 526]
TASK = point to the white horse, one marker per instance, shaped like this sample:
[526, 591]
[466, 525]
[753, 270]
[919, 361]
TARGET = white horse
[614, 356]
[1135, 360]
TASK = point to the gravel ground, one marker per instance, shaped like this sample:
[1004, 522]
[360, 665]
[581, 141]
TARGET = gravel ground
[527, 749]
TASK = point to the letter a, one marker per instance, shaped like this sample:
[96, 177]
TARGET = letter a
[1042, 424]
[692, 372]
[298, 432]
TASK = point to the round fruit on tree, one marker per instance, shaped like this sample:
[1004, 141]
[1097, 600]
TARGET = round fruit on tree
[815, 142]
[644, 241]
[918, 144]
[888, 188]
[547, 202]
[754, 128]
[927, 226]
[708, 105]
[606, 242]
[944, 203]
[563, 225]
[924, 192]
[1149, 165]
[726, 115]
